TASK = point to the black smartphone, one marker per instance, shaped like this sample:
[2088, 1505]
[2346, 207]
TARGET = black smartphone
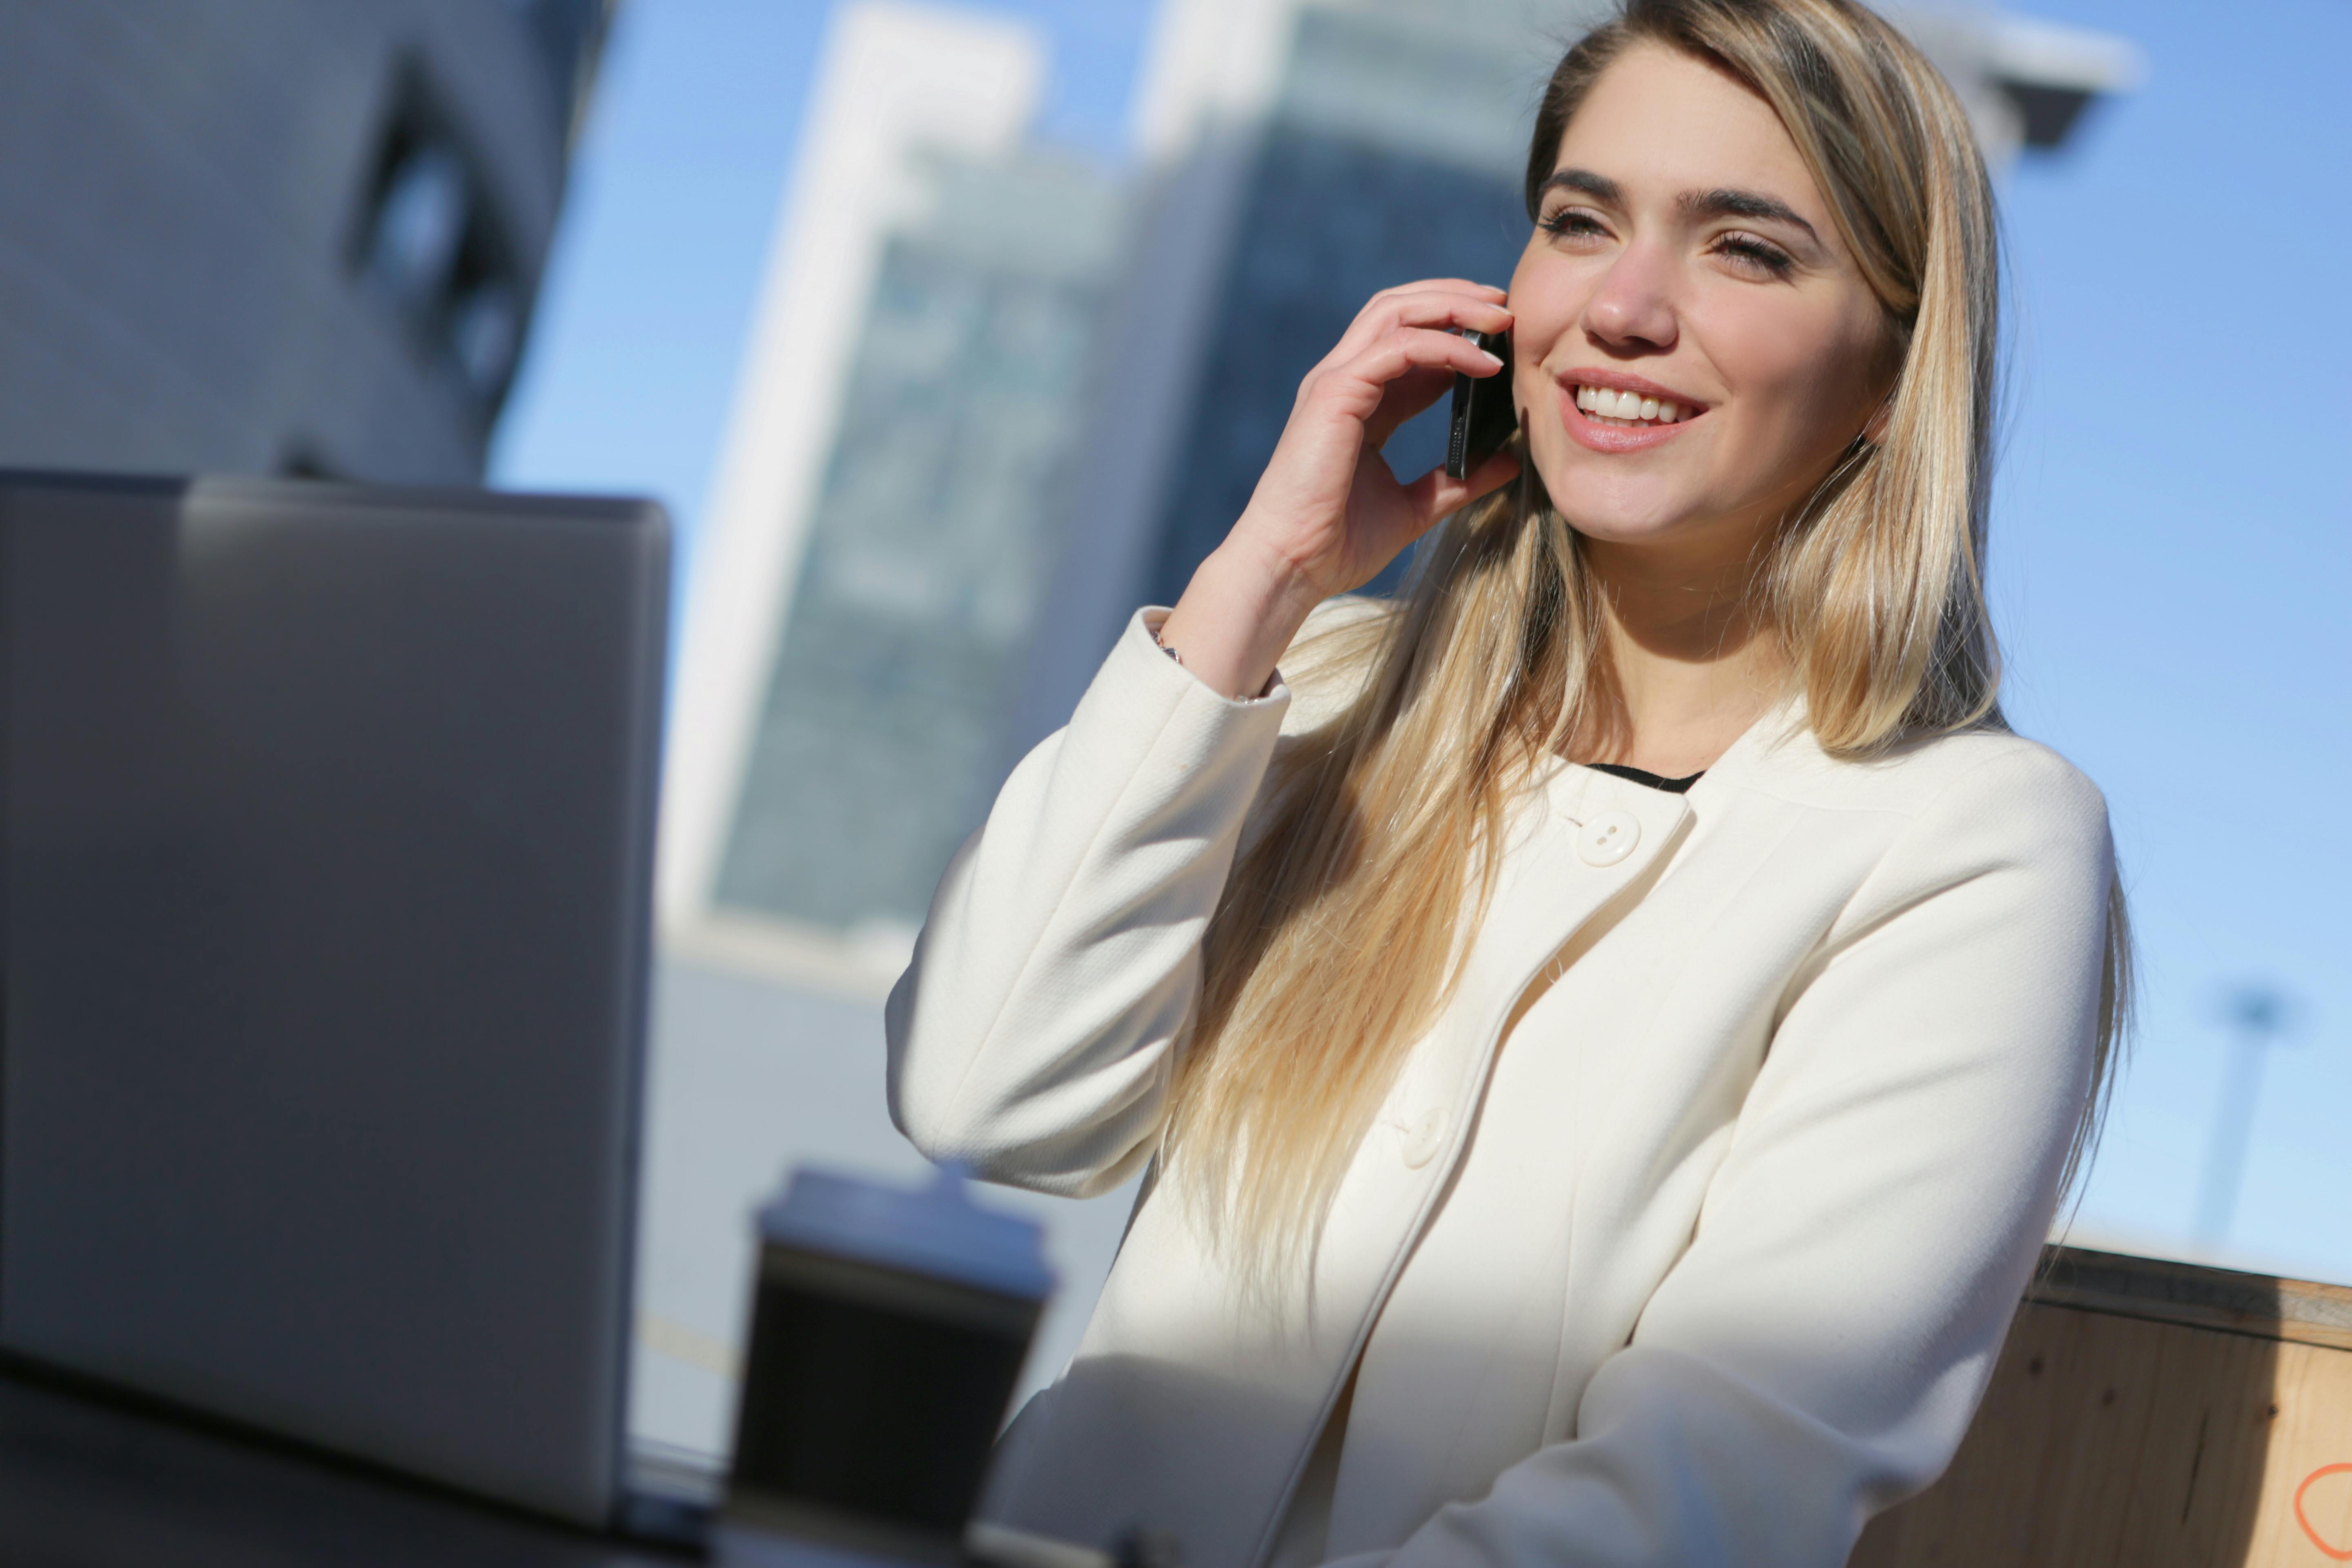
[1484, 414]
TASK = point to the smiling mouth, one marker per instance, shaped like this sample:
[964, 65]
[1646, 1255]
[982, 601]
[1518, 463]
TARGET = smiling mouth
[1629, 410]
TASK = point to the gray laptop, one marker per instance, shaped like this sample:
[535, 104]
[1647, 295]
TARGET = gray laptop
[328, 818]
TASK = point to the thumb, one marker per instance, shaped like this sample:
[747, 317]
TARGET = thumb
[1434, 495]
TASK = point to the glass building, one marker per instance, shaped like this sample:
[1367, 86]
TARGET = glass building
[876, 744]
[929, 573]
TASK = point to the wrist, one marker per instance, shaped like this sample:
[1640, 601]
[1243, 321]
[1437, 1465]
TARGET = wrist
[1271, 588]
[1236, 616]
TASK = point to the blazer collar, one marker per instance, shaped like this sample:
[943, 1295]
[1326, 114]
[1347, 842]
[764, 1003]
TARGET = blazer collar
[1780, 739]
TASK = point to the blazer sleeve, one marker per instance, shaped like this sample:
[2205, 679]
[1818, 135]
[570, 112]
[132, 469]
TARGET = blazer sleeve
[1818, 1351]
[1033, 1035]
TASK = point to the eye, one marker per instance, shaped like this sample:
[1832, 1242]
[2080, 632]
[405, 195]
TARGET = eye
[1757, 256]
[1573, 223]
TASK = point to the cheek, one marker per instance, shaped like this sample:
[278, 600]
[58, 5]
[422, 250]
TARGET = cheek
[1545, 301]
[1807, 374]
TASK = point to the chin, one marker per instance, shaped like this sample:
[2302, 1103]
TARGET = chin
[1618, 513]
[1608, 529]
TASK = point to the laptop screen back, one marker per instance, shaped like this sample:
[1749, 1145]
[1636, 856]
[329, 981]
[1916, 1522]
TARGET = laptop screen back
[328, 849]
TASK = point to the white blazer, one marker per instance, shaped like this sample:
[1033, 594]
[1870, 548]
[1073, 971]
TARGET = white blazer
[1705, 1265]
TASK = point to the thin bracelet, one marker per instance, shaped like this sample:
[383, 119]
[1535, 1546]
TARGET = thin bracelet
[1178, 659]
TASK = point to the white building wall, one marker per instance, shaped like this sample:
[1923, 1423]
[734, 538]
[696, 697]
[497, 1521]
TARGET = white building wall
[894, 81]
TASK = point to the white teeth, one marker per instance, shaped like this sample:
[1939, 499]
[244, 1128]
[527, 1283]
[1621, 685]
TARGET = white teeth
[1603, 403]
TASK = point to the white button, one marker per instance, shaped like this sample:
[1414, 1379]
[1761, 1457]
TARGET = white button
[1422, 1138]
[1609, 838]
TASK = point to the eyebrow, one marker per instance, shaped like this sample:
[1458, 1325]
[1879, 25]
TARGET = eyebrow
[1599, 187]
[1741, 203]
[1719, 203]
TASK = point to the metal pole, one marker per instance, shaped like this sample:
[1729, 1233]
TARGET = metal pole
[2256, 1013]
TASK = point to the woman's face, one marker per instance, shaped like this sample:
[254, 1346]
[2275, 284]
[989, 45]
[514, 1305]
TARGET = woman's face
[1682, 253]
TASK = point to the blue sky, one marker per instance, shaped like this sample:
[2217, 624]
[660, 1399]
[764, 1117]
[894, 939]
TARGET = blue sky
[2172, 537]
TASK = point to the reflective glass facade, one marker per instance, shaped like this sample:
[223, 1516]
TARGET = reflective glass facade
[879, 738]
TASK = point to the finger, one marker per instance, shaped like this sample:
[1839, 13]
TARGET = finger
[1434, 495]
[1396, 378]
[1450, 284]
[1405, 397]
[1360, 384]
[1421, 308]
[1443, 302]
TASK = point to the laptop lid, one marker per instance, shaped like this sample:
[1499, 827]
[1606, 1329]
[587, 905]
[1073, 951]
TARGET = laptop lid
[328, 818]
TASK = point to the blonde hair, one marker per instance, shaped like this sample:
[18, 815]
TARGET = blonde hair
[1341, 930]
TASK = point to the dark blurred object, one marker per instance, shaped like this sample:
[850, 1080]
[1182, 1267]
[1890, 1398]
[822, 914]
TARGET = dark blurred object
[2026, 82]
[88, 1482]
[2046, 113]
[888, 1329]
[2258, 1016]
[1145, 1548]
[329, 839]
[300, 237]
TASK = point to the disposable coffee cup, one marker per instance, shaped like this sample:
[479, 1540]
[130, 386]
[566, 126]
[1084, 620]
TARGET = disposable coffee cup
[889, 1326]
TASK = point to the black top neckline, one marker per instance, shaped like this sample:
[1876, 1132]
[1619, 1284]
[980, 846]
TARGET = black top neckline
[1643, 776]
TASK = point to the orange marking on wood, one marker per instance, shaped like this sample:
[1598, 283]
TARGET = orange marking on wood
[2342, 1555]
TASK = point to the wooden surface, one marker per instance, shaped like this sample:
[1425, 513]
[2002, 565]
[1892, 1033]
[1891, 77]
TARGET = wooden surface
[2149, 1414]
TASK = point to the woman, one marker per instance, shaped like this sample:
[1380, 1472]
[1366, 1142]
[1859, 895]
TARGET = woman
[1607, 1043]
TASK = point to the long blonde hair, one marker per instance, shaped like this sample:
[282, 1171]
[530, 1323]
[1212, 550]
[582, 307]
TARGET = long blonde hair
[1340, 932]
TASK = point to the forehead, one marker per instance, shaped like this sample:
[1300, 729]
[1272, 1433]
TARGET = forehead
[1660, 122]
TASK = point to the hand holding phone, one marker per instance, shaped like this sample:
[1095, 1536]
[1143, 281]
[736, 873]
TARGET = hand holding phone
[1328, 513]
[1484, 414]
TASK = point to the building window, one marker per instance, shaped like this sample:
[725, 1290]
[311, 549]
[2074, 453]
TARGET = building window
[428, 238]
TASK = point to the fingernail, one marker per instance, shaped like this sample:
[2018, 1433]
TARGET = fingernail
[1495, 360]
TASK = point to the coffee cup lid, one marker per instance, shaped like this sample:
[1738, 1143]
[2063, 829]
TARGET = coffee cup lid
[933, 1229]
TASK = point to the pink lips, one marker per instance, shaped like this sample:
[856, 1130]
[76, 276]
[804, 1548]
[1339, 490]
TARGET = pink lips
[1590, 432]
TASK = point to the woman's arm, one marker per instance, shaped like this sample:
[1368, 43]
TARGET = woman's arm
[1817, 1352]
[1328, 515]
[1032, 1037]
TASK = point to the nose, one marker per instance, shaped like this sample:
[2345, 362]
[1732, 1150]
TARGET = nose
[1631, 307]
